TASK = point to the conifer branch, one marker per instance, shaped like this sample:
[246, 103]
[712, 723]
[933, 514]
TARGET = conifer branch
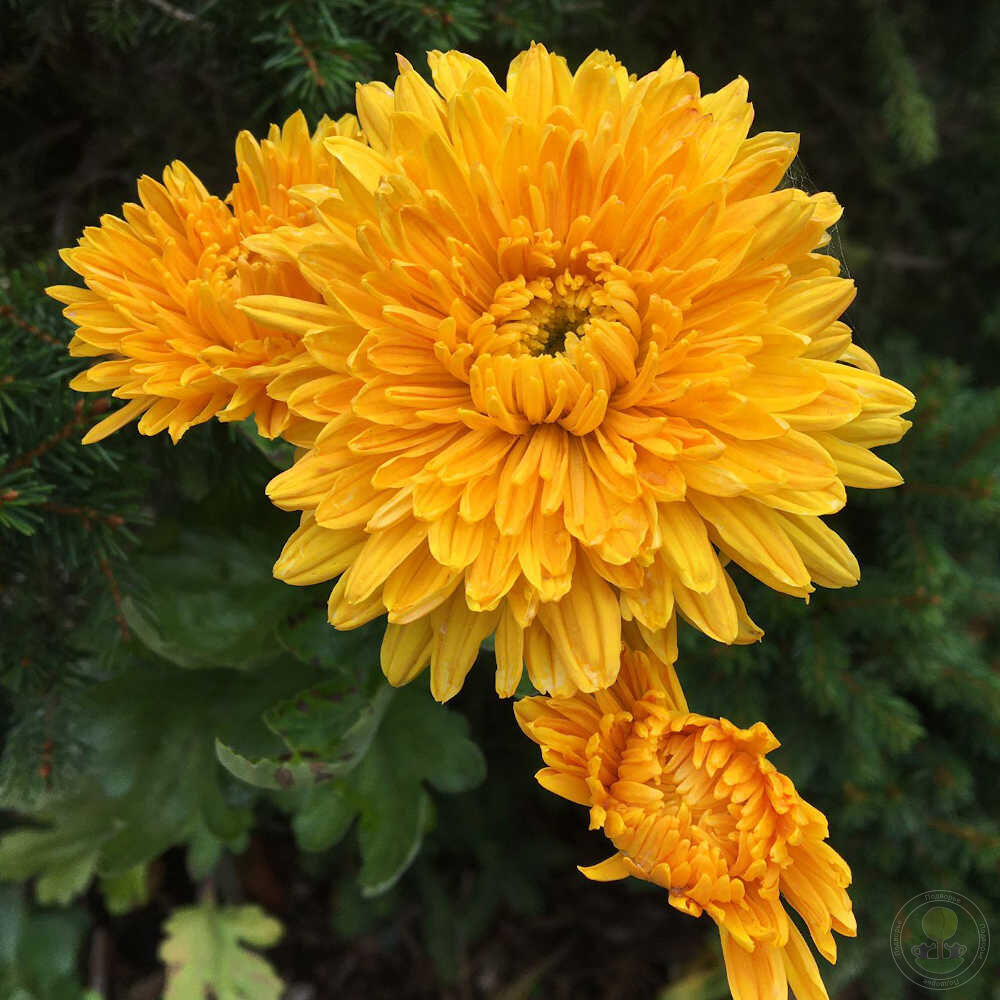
[86, 514]
[307, 56]
[116, 597]
[81, 413]
[8, 312]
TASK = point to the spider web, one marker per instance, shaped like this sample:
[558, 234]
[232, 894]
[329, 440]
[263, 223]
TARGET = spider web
[798, 177]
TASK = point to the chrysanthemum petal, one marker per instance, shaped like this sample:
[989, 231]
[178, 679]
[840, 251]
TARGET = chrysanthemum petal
[381, 553]
[313, 553]
[801, 969]
[611, 869]
[585, 627]
[457, 633]
[857, 466]
[509, 648]
[756, 975]
[406, 651]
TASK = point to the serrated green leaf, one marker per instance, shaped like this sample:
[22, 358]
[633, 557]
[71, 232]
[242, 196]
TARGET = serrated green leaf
[270, 773]
[325, 816]
[126, 891]
[332, 722]
[38, 950]
[205, 954]
[64, 852]
[390, 832]
[149, 736]
[210, 601]
[308, 636]
[327, 729]
[203, 853]
[417, 742]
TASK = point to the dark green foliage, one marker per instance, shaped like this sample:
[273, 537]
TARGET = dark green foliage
[38, 950]
[142, 638]
[416, 742]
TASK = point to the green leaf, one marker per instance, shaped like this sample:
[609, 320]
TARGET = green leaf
[325, 816]
[327, 728]
[203, 853]
[210, 601]
[149, 737]
[63, 853]
[391, 830]
[38, 950]
[154, 724]
[417, 742]
[126, 891]
[270, 773]
[308, 636]
[331, 722]
[205, 954]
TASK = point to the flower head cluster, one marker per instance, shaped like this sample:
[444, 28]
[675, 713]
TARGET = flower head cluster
[575, 351]
[556, 350]
[162, 287]
[692, 804]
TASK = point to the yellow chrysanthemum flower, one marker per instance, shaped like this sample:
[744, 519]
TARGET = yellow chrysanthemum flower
[579, 351]
[692, 804]
[162, 284]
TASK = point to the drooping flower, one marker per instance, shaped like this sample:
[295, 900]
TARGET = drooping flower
[578, 352]
[693, 805]
[162, 285]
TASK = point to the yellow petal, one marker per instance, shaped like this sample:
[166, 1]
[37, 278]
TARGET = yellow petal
[754, 975]
[567, 786]
[752, 533]
[314, 553]
[344, 614]
[597, 89]
[380, 555]
[457, 634]
[857, 466]
[610, 870]
[366, 165]
[826, 556]
[375, 104]
[451, 71]
[801, 969]
[416, 586]
[585, 628]
[537, 81]
[406, 650]
[118, 419]
[509, 648]
[713, 612]
[686, 548]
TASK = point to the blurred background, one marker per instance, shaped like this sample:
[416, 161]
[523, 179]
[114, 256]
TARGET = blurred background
[137, 626]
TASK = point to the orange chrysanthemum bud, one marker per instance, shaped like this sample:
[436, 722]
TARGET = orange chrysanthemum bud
[692, 804]
[577, 351]
[162, 284]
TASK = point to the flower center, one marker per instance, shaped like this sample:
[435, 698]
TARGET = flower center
[552, 325]
[545, 316]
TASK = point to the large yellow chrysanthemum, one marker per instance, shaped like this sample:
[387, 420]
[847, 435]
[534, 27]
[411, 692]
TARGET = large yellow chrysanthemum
[162, 286]
[692, 804]
[578, 352]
